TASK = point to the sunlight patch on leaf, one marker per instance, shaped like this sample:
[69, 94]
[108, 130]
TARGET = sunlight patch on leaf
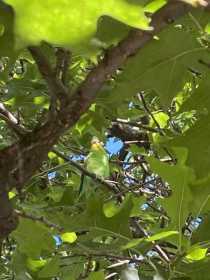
[69, 237]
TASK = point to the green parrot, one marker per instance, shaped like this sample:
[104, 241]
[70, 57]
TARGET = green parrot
[97, 162]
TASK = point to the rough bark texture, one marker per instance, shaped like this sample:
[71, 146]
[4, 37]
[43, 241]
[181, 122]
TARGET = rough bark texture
[21, 160]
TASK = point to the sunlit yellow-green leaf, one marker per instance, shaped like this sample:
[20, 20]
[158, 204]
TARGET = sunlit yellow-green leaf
[196, 254]
[110, 209]
[69, 237]
[35, 265]
[161, 235]
[52, 155]
[155, 5]
[12, 194]
[133, 243]
[161, 118]
[70, 23]
[39, 100]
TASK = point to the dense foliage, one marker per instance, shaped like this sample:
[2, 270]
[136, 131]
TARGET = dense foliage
[134, 75]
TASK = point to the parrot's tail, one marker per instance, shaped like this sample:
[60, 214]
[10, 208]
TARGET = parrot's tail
[81, 183]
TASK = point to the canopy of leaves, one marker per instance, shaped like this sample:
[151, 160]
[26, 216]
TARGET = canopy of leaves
[134, 74]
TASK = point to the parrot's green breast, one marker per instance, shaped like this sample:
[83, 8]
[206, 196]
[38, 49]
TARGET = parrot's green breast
[98, 163]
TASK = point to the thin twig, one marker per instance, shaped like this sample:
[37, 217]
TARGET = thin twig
[135, 142]
[113, 274]
[121, 193]
[140, 229]
[135, 162]
[138, 124]
[172, 159]
[40, 219]
[85, 274]
[141, 98]
[104, 255]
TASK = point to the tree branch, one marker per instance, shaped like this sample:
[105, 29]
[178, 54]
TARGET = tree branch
[11, 120]
[62, 64]
[57, 89]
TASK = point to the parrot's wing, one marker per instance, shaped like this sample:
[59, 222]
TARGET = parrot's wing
[98, 163]
[81, 187]
[86, 187]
